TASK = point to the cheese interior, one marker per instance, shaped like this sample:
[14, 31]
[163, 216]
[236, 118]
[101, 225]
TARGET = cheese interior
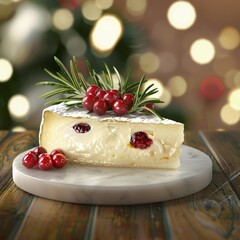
[108, 141]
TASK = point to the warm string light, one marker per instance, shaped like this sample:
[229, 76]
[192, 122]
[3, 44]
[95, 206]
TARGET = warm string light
[62, 19]
[229, 38]
[91, 11]
[76, 45]
[163, 93]
[234, 99]
[202, 51]
[104, 4]
[106, 33]
[229, 115]
[177, 86]
[181, 15]
[149, 62]
[136, 8]
[19, 107]
[18, 129]
[6, 70]
[17, 36]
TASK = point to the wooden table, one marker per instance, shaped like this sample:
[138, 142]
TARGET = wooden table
[213, 213]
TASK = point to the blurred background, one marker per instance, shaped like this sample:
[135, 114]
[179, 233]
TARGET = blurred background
[189, 49]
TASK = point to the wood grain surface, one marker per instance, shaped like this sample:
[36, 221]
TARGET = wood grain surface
[213, 213]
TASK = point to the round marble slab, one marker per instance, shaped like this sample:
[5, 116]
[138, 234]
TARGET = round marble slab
[116, 186]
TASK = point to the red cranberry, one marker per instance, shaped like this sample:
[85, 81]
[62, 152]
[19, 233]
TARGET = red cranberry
[29, 160]
[45, 162]
[100, 107]
[120, 107]
[100, 94]
[88, 102]
[82, 127]
[39, 150]
[128, 98]
[111, 96]
[150, 106]
[59, 160]
[140, 140]
[119, 95]
[56, 151]
[43, 154]
[92, 90]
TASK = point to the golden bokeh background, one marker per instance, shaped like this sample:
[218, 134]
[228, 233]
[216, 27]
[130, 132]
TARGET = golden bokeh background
[190, 50]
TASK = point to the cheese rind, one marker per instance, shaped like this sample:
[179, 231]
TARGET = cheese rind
[108, 141]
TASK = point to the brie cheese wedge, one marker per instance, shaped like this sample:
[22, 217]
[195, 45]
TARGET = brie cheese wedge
[107, 142]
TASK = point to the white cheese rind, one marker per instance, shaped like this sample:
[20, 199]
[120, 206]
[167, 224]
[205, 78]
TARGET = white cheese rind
[108, 141]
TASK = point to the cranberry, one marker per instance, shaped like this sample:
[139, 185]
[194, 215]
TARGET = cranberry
[100, 107]
[119, 95]
[92, 90]
[128, 98]
[82, 127]
[111, 96]
[45, 162]
[39, 150]
[29, 160]
[88, 102]
[43, 154]
[56, 151]
[120, 107]
[58, 160]
[140, 140]
[100, 94]
[150, 106]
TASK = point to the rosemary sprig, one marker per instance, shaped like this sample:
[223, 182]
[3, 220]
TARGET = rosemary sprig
[141, 99]
[70, 86]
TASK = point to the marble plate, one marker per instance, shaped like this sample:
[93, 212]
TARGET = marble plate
[117, 186]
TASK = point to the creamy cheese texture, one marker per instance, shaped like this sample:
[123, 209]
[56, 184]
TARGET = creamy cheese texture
[108, 141]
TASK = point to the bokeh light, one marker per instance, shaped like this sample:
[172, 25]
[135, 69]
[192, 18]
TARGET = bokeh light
[181, 15]
[62, 19]
[177, 86]
[149, 62]
[76, 45]
[163, 93]
[23, 32]
[212, 88]
[166, 97]
[229, 38]
[91, 11]
[6, 70]
[229, 115]
[157, 84]
[18, 106]
[106, 33]
[202, 51]
[234, 99]
[229, 77]
[104, 4]
[18, 129]
[136, 8]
